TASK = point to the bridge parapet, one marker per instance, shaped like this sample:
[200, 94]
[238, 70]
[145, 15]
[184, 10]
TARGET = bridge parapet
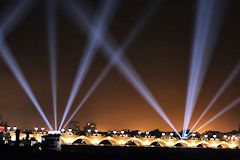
[143, 141]
[67, 139]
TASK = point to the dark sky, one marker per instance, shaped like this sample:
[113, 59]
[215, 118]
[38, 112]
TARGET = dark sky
[160, 54]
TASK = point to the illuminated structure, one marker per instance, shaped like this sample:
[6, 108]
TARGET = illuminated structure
[147, 141]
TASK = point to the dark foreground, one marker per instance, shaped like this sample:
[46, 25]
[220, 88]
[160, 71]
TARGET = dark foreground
[121, 153]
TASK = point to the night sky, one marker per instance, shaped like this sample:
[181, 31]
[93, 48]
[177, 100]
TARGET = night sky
[160, 54]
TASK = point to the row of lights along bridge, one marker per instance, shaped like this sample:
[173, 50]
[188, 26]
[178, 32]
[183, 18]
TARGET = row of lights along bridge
[164, 135]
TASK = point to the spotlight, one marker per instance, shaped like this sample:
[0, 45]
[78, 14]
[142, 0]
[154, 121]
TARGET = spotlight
[11, 63]
[100, 25]
[7, 25]
[123, 65]
[51, 29]
[52, 132]
[208, 21]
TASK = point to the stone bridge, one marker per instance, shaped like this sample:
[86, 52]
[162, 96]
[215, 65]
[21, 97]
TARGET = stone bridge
[67, 139]
[146, 142]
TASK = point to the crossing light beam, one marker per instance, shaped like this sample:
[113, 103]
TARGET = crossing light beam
[99, 27]
[123, 66]
[209, 17]
[10, 61]
[9, 20]
[233, 104]
[221, 90]
[150, 10]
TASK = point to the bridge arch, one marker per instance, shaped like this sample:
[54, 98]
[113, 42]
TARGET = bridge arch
[71, 140]
[79, 142]
[156, 144]
[203, 144]
[131, 143]
[223, 145]
[159, 143]
[105, 143]
[181, 143]
[108, 141]
[134, 142]
[220, 146]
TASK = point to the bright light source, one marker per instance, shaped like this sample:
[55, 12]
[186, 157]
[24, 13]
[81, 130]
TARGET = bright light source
[69, 130]
[96, 130]
[89, 130]
[233, 137]
[54, 132]
[42, 129]
[8, 128]
[36, 129]
[214, 136]
[225, 136]
[147, 132]
[171, 134]
[122, 132]
[206, 136]
[14, 128]
[114, 132]
[139, 132]
[62, 130]
[163, 134]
